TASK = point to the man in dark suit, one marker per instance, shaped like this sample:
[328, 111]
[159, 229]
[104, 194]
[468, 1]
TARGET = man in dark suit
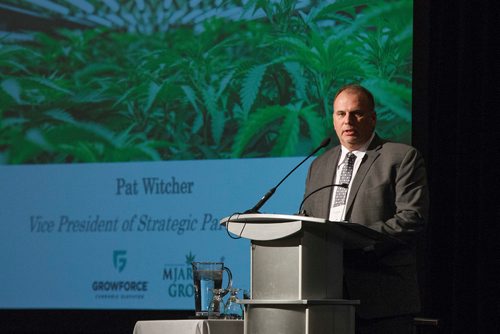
[388, 193]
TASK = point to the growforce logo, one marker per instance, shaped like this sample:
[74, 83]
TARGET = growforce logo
[124, 289]
[119, 260]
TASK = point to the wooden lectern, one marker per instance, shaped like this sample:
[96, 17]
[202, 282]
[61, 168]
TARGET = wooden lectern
[296, 272]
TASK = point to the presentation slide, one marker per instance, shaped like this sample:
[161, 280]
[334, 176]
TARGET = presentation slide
[123, 235]
[129, 129]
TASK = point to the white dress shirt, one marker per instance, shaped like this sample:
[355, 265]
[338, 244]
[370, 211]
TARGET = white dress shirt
[337, 213]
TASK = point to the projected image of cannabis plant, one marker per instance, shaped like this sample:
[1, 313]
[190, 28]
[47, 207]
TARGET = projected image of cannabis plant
[257, 87]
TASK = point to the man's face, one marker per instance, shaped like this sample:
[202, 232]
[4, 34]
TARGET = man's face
[353, 119]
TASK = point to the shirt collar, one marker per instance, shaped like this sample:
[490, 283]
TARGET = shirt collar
[359, 153]
[362, 149]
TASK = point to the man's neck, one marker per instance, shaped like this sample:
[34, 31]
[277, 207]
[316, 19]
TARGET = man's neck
[361, 148]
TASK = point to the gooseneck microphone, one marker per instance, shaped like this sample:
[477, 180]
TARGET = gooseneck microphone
[270, 193]
[342, 185]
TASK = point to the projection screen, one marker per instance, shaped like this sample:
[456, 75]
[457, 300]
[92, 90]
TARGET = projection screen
[128, 129]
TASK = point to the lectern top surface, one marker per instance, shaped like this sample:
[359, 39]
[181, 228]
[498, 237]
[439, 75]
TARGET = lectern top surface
[270, 226]
[300, 301]
[260, 226]
[270, 217]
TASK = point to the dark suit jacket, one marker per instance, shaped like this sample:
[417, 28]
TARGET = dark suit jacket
[388, 194]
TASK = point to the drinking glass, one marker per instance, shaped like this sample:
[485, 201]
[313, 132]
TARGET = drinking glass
[233, 310]
[215, 304]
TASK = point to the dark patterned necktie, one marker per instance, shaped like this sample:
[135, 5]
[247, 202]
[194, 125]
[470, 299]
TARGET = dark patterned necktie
[345, 177]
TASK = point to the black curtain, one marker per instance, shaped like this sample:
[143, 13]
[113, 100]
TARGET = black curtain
[456, 127]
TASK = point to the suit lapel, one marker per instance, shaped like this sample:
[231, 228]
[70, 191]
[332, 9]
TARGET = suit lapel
[333, 161]
[371, 155]
[329, 175]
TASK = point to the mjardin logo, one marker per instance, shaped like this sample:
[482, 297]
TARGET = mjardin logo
[180, 278]
[119, 260]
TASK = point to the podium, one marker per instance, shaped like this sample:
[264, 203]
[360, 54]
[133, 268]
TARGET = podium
[296, 272]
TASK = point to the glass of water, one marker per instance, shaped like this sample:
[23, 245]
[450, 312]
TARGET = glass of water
[216, 303]
[232, 309]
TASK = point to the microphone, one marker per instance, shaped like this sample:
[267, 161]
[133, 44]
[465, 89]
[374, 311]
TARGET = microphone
[270, 193]
[342, 185]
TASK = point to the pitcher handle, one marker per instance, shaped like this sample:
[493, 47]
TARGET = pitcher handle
[230, 280]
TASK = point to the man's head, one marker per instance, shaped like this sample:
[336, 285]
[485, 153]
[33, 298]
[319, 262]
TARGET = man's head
[354, 116]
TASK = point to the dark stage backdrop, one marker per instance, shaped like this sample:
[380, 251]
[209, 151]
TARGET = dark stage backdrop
[455, 126]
